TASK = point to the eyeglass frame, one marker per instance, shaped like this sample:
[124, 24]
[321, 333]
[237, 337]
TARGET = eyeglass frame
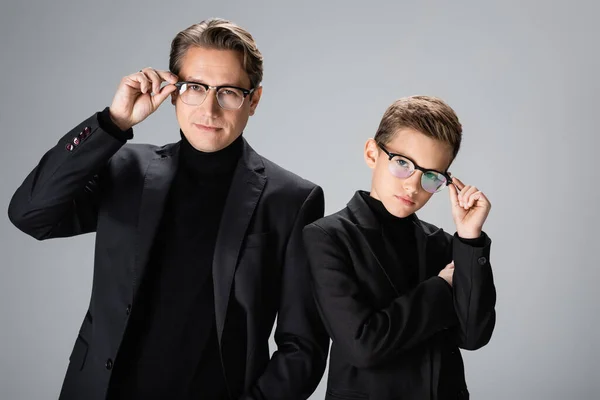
[417, 167]
[245, 92]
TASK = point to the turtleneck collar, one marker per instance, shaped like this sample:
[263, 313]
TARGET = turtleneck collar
[382, 213]
[202, 164]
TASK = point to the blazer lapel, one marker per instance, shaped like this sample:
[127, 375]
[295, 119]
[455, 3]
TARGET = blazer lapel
[246, 188]
[157, 181]
[383, 251]
[380, 246]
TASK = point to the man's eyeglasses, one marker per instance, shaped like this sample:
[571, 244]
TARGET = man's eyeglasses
[228, 97]
[403, 167]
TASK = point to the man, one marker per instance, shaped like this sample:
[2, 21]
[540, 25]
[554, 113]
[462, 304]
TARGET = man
[198, 243]
[399, 296]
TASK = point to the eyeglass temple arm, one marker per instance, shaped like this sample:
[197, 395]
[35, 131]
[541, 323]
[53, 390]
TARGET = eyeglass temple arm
[451, 182]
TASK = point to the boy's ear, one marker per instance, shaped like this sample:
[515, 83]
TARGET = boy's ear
[371, 153]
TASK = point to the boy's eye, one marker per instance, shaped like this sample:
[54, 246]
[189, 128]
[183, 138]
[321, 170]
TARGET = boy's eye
[433, 176]
[402, 162]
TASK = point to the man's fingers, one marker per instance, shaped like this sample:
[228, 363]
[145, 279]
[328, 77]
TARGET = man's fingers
[143, 81]
[167, 76]
[153, 78]
[157, 77]
[157, 99]
[133, 83]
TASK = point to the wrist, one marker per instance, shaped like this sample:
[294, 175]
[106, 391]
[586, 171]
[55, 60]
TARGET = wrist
[122, 125]
[465, 234]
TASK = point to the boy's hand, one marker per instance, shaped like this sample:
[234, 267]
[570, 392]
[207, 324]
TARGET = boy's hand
[447, 273]
[470, 209]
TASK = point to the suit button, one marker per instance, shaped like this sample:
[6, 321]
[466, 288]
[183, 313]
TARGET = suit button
[482, 260]
[69, 147]
[86, 130]
[76, 141]
[128, 310]
[109, 364]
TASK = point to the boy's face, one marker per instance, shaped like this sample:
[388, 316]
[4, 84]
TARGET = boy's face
[403, 197]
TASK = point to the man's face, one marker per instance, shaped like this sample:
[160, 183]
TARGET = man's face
[208, 127]
[402, 197]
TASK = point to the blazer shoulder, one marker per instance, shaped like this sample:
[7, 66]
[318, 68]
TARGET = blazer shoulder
[281, 179]
[138, 154]
[334, 231]
[333, 224]
[137, 151]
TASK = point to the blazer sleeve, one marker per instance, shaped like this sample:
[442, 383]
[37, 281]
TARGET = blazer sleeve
[474, 292]
[60, 196]
[297, 366]
[370, 336]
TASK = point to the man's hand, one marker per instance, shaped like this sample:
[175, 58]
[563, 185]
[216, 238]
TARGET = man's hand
[139, 95]
[447, 273]
[470, 209]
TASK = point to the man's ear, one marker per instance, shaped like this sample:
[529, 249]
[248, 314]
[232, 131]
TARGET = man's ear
[255, 99]
[371, 153]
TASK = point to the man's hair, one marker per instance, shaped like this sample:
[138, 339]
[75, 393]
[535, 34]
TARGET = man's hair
[220, 34]
[430, 116]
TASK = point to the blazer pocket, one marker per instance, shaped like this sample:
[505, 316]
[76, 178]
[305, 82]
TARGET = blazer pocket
[338, 394]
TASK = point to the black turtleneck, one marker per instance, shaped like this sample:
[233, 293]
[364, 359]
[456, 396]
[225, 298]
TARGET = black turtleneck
[170, 349]
[400, 233]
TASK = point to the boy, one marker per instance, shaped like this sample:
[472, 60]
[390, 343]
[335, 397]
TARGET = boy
[384, 281]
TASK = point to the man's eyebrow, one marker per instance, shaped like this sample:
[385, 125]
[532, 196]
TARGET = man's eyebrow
[197, 80]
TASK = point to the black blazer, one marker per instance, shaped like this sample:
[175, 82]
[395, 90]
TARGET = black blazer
[92, 182]
[391, 341]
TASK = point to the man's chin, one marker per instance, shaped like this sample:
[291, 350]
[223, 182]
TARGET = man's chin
[207, 143]
[207, 146]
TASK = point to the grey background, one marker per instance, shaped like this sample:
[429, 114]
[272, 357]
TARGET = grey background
[522, 75]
